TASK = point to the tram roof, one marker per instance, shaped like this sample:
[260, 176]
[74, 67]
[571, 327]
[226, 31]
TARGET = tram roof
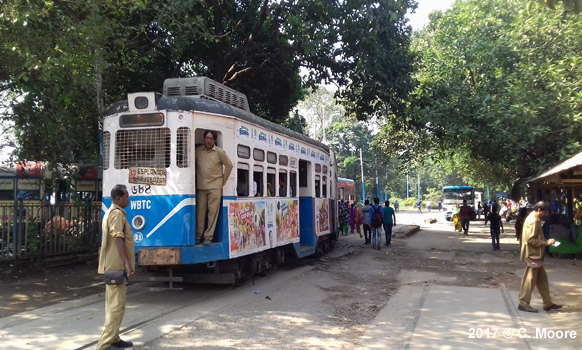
[201, 104]
[342, 179]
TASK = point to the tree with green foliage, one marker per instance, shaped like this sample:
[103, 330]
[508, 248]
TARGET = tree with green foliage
[497, 95]
[64, 61]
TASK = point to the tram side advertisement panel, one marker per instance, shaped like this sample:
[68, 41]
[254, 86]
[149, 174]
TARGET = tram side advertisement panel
[322, 217]
[287, 222]
[247, 227]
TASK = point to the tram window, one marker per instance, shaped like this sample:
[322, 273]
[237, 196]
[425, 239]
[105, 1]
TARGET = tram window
[292, 184]
[258, 154]
[324, 187]
[272, 157]
[258, 188]
[145, 148]
[242, 182]
[317, 183]
[183, 147]
[106, 149]
[282, 184]
[303, 173]
[271, 182]
[318, 168]
[283, 160]
[243, 151]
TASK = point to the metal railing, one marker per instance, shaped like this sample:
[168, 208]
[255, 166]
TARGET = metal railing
[36, 231]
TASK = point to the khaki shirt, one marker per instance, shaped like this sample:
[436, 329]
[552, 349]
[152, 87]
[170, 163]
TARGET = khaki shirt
[210, 175]
[115, 225]
[533, 242]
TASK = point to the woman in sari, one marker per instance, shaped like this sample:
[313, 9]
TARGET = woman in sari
[353, 213]
[457, 219]
[359, 220]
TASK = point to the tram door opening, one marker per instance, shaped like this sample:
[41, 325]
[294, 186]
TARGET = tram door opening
[199, 139]
[306, 203]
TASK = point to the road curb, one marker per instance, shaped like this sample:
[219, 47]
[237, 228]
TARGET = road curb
[406, 230]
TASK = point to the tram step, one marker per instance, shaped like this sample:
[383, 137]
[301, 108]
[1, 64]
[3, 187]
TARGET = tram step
[166, 279]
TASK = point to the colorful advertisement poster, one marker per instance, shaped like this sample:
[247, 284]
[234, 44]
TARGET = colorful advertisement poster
[247, 227]
[322, 216]
[287, 221]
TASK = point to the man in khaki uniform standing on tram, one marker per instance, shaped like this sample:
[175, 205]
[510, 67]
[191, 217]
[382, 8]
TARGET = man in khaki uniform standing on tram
[213, 169]
[117, 253]
[533, 243]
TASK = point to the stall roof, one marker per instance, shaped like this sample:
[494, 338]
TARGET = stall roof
[553, 175]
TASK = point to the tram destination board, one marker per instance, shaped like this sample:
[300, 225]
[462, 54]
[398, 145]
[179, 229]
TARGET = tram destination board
[147, 176]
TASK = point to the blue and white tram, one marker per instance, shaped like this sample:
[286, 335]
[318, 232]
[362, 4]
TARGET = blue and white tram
[280, 195]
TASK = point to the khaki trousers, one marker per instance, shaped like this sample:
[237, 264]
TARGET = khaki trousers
[534, 278]
[115, 297]
[207, 201]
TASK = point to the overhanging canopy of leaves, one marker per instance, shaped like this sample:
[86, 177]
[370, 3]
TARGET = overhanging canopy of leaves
[68, 59]
[498, 86]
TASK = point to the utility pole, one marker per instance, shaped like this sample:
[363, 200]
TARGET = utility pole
[362, 168]
[407, 187]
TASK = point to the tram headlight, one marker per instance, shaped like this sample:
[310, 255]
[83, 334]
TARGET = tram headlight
[141, 102]
[138, 222]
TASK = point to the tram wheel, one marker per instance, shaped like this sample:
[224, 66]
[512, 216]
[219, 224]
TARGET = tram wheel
[579, 255]
[556, 255]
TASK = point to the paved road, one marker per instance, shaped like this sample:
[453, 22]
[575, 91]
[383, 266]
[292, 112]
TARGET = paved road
[435, 289]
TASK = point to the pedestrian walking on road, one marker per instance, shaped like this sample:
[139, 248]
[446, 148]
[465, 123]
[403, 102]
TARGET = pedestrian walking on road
[495, 226]
[396, 206]
[533, 244]
[440, 203]
[465, 215]
[428, 205]
[344, 213]
[117, 253]
[521, 215]
[376, 221]
[418, 206]
[389, 222]
[359, 219]
[366, 210]
[353, 214]
[457, 219]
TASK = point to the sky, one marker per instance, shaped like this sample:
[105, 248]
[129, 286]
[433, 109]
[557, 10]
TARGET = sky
[420, 18]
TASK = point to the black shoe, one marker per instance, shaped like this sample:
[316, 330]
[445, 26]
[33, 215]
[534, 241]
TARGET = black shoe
[526, 308]
[122, 344]
[112, 347]
[553, 307]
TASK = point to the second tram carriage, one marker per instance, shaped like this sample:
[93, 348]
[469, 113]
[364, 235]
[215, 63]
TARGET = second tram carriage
[346, 189]
[148, 145]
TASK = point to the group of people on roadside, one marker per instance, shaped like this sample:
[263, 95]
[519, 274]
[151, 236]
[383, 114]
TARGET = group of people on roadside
[374, 219]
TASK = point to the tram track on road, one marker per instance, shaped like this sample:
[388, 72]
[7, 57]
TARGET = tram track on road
[209, 301]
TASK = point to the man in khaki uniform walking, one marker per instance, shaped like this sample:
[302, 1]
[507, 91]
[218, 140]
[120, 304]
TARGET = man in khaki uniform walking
[117, 253]
[534, 244]
[210, 178]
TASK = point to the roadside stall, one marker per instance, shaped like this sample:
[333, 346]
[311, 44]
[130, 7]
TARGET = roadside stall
[561, 186]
